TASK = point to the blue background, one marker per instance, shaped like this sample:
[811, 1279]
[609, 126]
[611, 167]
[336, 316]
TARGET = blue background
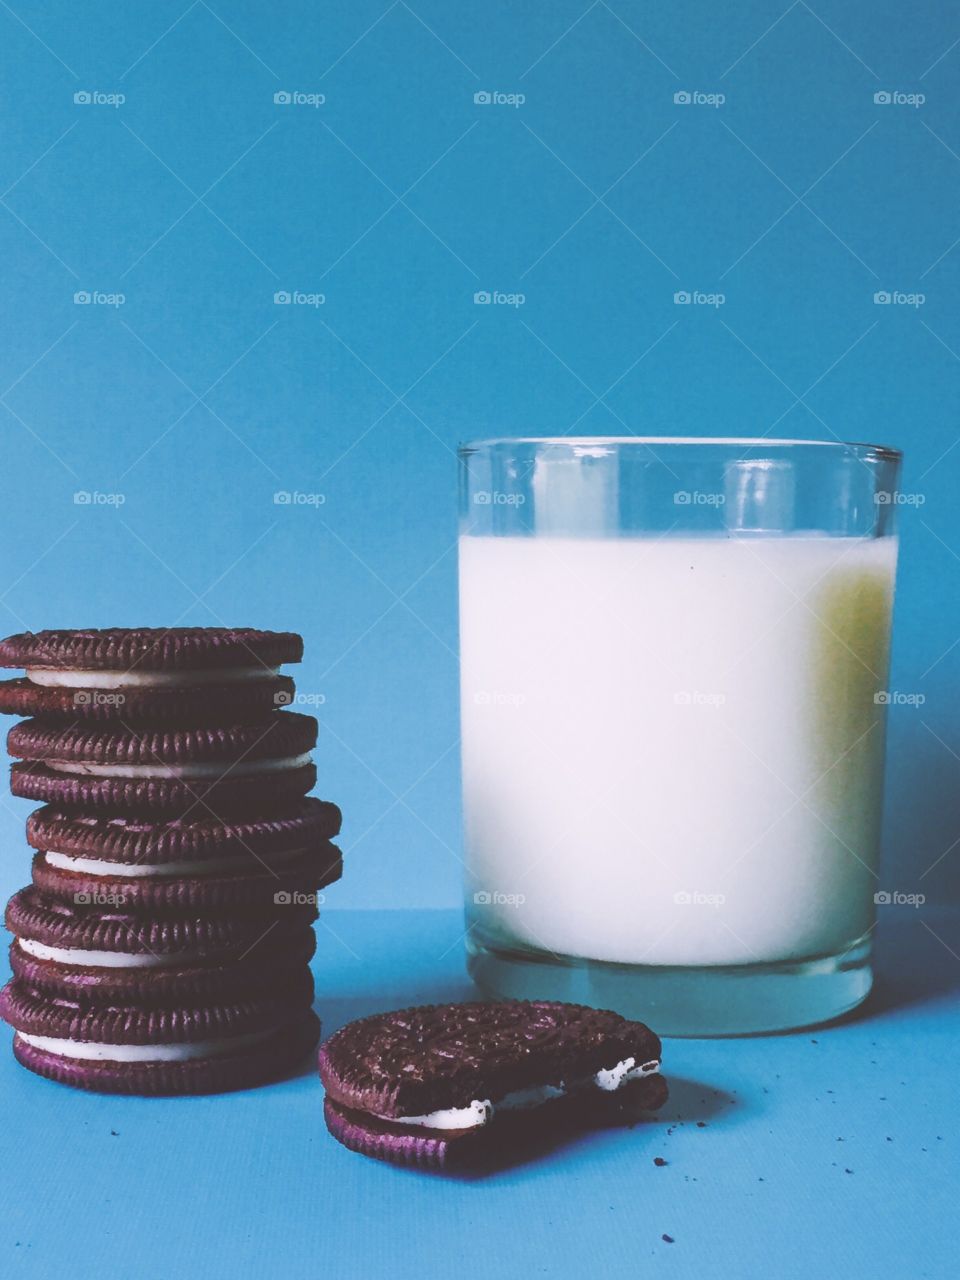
[199, 398]
[398, 199]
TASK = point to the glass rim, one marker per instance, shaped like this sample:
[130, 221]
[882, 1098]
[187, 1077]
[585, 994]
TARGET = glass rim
[859, 448]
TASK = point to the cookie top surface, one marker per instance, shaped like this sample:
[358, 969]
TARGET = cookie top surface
[151, 648]
[285, 733]
[117, 839]
[417, 1061]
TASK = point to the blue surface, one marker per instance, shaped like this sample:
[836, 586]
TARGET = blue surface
[199, 398]
[831, 1151]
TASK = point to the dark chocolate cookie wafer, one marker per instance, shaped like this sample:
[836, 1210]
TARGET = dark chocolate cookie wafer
[150, 649]
[104, 953]
[227, 797]
[188, 1049]
[198, 839]
[437, 1084]
[231, 771]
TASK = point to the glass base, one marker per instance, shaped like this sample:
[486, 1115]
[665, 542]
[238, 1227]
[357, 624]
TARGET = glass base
[679, 1000]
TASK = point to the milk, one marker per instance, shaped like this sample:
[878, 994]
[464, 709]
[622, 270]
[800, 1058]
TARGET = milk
[673, 748]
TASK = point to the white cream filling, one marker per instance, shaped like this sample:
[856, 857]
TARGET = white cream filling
[481, 1111]
[92, 1051]
[55, 679]
[138, 870]
[187, 769]
[104, 959]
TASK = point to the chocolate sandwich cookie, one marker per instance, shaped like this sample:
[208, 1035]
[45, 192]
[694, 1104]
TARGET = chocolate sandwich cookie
[181, 865]
[144, 1050]
[188, 676]
[228, 772]
[297, 877]
[103, 953]
[441, 1086]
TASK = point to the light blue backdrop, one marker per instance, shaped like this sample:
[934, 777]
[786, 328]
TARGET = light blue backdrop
[597, 198]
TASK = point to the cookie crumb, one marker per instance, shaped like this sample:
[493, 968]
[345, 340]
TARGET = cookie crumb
[665, 1238]
[659, 1161]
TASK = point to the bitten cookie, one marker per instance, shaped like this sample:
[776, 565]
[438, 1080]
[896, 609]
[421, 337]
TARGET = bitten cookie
[439, 1086]
[188, 676]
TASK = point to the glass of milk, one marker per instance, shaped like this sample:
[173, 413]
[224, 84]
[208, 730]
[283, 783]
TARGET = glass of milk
[674, 661]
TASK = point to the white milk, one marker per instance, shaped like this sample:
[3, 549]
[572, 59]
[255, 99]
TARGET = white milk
[672, 749]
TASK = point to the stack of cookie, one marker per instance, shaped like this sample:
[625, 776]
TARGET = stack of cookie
[164, 944]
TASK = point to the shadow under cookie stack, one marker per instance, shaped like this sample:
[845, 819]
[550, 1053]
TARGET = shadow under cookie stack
[164, 944]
